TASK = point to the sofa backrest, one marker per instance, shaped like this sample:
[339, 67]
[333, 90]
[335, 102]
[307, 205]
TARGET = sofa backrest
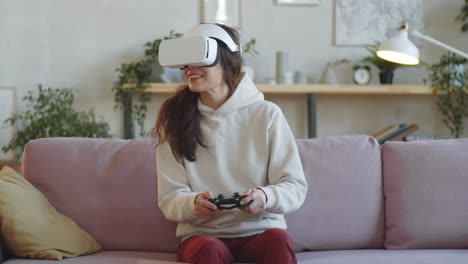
[108, 186]
[344, 203]
[426, 191]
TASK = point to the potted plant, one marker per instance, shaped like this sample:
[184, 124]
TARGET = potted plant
[450, 84]
[385, 67]
[158, 72]
[50, 114]
[463, 17]
[138, 73]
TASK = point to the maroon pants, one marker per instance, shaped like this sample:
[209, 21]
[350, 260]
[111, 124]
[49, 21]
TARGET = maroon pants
[272, 246]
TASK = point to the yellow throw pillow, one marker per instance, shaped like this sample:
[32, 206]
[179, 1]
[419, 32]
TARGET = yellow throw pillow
[30, 227]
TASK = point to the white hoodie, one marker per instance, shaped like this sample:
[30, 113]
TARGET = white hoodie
[249, 145]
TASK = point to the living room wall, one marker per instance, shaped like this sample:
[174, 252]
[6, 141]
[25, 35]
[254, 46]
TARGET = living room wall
[79, 44]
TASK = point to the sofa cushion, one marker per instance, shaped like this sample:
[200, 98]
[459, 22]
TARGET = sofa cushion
[426, 201]
[382, 256]
[108, 186]
[110, 257]
[32, 228]
[343, 208]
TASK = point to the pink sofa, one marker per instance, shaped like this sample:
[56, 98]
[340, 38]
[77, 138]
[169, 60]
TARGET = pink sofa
[406, 202]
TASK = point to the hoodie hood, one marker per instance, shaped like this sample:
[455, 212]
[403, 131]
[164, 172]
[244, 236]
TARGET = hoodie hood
[245, 94]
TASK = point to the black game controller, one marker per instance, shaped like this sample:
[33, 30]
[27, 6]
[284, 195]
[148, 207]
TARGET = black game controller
[229, 203]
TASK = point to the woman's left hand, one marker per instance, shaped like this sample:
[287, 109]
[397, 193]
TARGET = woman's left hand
[259, 201]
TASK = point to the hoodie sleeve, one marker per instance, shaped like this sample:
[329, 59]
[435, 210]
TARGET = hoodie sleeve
[175, 196]
[287, 185]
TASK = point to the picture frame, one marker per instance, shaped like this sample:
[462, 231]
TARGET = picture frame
[227, 12]
[7, 109]
[359, 23]
[298, 2]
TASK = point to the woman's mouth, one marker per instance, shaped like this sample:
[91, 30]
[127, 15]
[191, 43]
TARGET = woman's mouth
[195, 76]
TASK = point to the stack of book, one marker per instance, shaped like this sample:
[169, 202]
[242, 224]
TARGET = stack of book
[395, 132]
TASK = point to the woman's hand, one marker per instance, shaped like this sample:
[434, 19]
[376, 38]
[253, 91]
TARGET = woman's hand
[259, 201]
[203, 208]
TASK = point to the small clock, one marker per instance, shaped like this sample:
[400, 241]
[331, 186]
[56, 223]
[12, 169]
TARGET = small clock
[361, 74]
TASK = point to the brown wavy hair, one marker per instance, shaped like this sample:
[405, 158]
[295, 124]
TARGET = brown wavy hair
[179, 119]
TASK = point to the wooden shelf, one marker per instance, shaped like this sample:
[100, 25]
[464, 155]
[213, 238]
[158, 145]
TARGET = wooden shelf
[312, 90]
[390, 89]
[344, 89]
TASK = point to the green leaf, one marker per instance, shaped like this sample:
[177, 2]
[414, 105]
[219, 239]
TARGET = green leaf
[138, 73]
[50, 113]
[452, 91]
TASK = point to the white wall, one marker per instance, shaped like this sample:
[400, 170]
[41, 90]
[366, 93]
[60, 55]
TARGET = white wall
[80, 43]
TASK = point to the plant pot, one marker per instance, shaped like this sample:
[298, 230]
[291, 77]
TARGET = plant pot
[386, 77]
[172, 75]
[156, 71]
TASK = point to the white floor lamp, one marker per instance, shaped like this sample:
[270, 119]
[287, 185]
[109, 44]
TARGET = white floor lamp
[401, 50]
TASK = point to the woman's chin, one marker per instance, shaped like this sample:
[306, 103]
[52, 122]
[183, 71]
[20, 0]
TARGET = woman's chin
[195, 87]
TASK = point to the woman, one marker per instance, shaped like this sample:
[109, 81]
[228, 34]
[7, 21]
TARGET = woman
[218, 136]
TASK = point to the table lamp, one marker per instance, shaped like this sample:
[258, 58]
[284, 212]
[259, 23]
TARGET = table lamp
[401, 50]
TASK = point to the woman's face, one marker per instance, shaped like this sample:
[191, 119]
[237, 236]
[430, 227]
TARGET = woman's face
[204, 79]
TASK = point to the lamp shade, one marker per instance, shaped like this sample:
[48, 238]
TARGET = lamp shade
[399, 50]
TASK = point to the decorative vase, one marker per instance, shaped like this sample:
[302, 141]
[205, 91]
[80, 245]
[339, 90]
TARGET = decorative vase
[334, 71]
[386, 77]
[329, 75]
[281, 66]
[164, 74]
[172, 75]
[156, 71]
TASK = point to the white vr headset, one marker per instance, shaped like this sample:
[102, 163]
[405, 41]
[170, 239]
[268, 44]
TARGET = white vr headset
[198, 47]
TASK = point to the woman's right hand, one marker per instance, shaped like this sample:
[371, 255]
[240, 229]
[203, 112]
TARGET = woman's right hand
[203, 207]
